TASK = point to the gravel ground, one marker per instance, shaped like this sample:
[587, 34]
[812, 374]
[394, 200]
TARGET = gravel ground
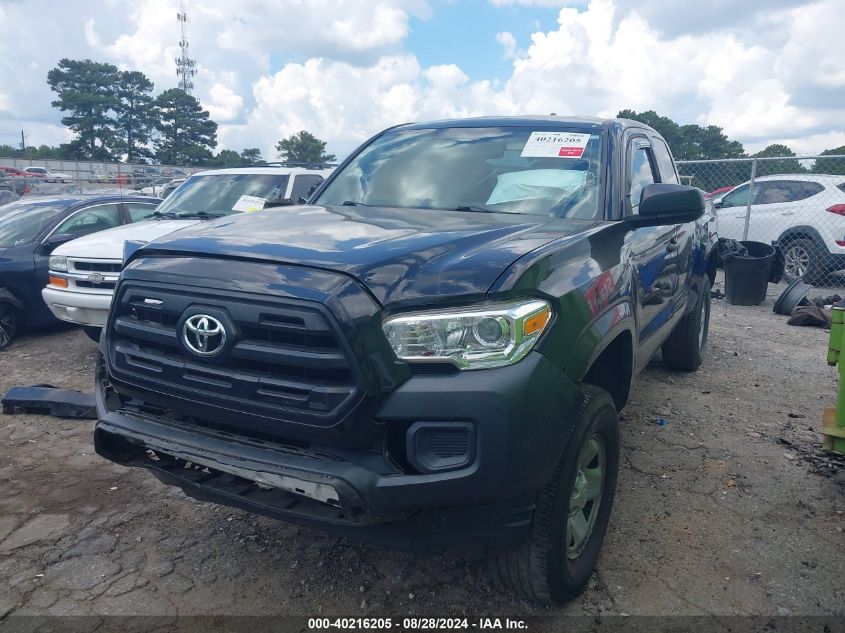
[728, 508]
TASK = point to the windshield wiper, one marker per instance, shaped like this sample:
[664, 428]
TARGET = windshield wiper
[467, 207]
[205, 215]
[158, 214]
[352, 203]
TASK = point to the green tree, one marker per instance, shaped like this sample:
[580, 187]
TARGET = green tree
[665, 126]
[834, 166]
[134, 114]
[689, 142]
[226, 158]
[303, 147]
[186, 133]
[708, 143]
[694, 143]
[86, 91]
[769, 167]
[9, 151]
[251, 156]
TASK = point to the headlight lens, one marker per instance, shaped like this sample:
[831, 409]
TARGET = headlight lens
[58, 263]
[492, 335]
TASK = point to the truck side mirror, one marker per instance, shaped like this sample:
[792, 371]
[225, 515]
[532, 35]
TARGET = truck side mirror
[662, 204]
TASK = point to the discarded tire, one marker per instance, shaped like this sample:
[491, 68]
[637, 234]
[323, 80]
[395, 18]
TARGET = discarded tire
[790, 298]
[747, 277]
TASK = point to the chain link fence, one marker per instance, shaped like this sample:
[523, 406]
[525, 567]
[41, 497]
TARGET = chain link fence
[24, 176]
[796, 202]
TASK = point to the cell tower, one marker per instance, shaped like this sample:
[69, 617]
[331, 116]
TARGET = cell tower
[186, 67]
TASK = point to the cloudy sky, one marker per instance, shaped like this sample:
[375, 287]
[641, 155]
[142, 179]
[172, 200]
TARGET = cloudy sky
[765, 70]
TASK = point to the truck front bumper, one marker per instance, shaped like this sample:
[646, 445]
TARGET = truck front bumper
[521, 418]
[78, 307]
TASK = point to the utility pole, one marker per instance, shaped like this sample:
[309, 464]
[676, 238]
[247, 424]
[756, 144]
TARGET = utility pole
[23, 142]
[186, 67]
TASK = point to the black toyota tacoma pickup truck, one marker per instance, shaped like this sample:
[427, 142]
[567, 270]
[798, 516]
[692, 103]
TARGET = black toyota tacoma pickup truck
[433, 350]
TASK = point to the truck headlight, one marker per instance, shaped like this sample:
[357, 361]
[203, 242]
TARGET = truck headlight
[491, 335]
[58, 263]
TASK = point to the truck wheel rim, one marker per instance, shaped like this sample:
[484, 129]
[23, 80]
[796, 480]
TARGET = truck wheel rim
[586, 494]
[796, 261]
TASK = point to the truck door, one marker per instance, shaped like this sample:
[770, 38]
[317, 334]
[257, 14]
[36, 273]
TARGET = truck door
[653, 253]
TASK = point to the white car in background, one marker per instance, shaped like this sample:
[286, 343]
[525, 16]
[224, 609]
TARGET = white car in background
[48, 175]
[803, 213]
[155, 188]
[91, 265]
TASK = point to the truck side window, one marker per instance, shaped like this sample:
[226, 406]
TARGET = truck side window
[302, 185]
[642, 174]
[664, 161]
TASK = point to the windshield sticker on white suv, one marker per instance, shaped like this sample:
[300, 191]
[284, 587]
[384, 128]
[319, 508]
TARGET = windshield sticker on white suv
[249, 203]
[555, 145]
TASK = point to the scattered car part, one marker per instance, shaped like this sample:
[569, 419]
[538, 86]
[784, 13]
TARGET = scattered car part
[62, 403]
[792, 297]
[811, 316]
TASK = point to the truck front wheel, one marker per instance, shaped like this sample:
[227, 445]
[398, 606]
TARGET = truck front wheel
[572, 511]
[8, 323]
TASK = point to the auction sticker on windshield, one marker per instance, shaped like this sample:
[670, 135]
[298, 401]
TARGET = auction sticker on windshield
[249, 203]
[555, 144]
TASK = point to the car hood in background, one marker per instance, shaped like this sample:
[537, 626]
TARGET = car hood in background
[399, 254]
[108, 244]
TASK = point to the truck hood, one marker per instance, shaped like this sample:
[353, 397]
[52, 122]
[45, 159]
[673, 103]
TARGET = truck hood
[108, 244]
[398, 253]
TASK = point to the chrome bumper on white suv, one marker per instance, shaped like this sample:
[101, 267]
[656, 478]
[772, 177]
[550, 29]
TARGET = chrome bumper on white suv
[83, 294]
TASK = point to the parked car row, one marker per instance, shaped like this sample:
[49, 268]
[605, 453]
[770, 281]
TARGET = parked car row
[123, 175]
[60, 255]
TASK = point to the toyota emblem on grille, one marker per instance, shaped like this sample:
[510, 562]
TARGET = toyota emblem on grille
[204, 335]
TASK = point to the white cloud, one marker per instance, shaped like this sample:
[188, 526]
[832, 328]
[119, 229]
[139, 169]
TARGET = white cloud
[598, 60]
[508, 42]
[225, 104]
[545, 4]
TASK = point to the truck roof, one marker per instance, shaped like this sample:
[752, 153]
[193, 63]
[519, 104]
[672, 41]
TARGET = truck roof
[571, 122]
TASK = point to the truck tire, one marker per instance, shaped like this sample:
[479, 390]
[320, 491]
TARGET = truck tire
[684, 349]
[8, 323]
[555, 562]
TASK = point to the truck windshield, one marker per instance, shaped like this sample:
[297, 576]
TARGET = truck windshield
[21, 222]
[223, 194]
[523, 170]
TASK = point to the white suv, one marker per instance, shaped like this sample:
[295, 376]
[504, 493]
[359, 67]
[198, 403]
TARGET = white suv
[90, 266]
[804, 213]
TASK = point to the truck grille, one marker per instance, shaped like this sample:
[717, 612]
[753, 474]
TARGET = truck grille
[89, 266]
[284, 360]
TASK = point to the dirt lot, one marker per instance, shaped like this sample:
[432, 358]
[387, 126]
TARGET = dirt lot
[727, 508]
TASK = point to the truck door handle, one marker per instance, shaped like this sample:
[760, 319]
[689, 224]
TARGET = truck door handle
[788, 213]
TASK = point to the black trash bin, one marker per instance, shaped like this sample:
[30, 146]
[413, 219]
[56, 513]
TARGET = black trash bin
[747, 276]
